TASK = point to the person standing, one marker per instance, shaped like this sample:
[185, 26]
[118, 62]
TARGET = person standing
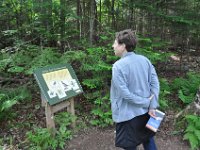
[134, 94]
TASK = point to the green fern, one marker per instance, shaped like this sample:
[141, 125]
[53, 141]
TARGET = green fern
[145, 48]
[186, 99]
[10, 97]
[164, 92]
[74, 56]
[28, 58]
[101, 113]
[92, 95]
[42, 138]
[46, 57]
[16, 69]
[192, 132]
[92, 83]
[64, 118]
[4, 63]
[187, 87]
[21, 59]
[6, 104]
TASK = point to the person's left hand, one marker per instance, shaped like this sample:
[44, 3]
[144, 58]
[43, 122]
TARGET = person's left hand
[152, 113]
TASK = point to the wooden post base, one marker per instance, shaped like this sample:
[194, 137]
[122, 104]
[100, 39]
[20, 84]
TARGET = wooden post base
[50, 110]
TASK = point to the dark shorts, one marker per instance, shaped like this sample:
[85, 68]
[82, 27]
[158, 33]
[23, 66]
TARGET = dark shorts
[133, 132]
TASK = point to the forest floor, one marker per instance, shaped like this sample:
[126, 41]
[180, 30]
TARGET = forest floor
[103, 139]
[167, 138]
[86, 138]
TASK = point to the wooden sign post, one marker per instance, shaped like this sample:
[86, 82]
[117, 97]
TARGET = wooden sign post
[50, 110]
[58, 85]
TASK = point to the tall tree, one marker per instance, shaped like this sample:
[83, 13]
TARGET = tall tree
[78, 12]
[48, 18]
[100, 14]
[113, 13]
[62, 24]
[92, 20]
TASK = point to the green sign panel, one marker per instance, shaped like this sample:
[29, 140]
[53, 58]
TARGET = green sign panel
[57, 82]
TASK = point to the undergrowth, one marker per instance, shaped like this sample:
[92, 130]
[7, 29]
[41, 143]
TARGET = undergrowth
[43, 138]
[192, 132]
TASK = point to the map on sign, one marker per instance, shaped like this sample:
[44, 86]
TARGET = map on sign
[57, 82]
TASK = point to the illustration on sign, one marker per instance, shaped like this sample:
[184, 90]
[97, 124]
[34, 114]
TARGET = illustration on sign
[59, 82]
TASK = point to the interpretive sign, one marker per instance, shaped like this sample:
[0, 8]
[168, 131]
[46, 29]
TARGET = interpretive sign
[57, 83]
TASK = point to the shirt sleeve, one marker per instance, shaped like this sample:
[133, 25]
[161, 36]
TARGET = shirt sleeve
[154, 88]
[120, 83]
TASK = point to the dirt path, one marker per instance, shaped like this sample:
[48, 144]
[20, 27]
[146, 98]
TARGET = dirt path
[103, 139]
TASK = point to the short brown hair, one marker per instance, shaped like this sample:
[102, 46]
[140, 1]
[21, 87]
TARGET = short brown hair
[128, 38]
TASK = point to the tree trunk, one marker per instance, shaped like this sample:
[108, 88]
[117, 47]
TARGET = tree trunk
[113, 13]
[100, 15]
[141, 22]
[91, 20]
[84, 20]
[78, 12]
[49, 20]
[95, 21]
[131, 18]
[62, 24]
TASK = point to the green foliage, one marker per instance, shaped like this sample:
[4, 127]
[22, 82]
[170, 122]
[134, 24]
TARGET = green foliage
[192, 132]
[6, 104]
[42, 138]
[96, 72]
[73, 56]
[146, 47]
[64, 118]
[9, 32]
[159, 44]
[5, 60]
[76, 59]
[1, 143]
[187, 87]
[93, 83]
[96, 65]
[164, 92]
[92, 68]
[96, 60]
[27, 59]
[10, 97]
[101, 112]
[46, 56]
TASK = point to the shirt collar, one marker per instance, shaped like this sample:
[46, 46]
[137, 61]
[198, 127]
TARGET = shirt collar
[127, 54]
